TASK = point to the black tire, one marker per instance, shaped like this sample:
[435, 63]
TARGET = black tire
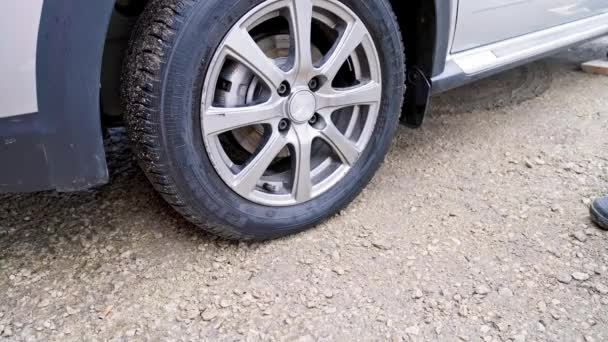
[162, 84]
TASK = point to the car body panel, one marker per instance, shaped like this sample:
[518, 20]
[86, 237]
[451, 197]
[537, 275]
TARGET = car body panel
[471, 65]
[490, 21]
[18, 56]
[60, 146]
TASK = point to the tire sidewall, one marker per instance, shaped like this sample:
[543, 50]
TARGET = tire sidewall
[183, 74]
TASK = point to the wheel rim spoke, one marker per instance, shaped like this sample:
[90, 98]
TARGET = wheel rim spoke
[301, 23]
[240, 46]
[302, 187]
[350, 39]
[366, 94]
[219, 120]
[246, 180]
[345, 148]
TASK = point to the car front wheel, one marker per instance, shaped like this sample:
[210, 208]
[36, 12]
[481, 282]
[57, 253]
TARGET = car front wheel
[257, 119]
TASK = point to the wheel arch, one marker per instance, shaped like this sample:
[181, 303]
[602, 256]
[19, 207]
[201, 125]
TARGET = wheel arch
[425, 26]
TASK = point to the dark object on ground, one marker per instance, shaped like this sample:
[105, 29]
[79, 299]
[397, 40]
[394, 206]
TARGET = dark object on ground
[599, 212]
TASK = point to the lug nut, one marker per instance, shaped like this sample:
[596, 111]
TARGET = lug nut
[283, 89]
[314, 119]
[283, 125]
[313, 84]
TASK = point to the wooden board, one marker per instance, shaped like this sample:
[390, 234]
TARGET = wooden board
[599, 66]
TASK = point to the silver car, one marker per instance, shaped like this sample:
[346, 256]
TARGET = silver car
[253, 118]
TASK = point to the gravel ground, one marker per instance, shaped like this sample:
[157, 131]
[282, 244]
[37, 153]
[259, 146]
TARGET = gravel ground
[476, 228]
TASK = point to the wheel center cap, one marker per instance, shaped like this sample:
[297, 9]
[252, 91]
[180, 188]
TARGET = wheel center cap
[302, 106]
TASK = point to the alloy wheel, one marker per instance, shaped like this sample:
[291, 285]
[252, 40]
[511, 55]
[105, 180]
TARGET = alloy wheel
[291, 100]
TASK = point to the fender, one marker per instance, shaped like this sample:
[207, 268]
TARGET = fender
[61, 146]
[443, 34]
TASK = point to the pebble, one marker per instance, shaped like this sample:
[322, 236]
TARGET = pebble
[382, 245]
[7, 332]
[225, 303]
[44, 303]
[542, 306]
[482, 290]
[413, 330]
[463, 311]
[601, 288]
[519, 338]
[580, 236]
[580, 276]
[209, 314]
[339, 271]
[564, 277]
[505, 292]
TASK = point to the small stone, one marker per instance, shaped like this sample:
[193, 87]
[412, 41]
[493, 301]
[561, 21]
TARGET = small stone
[540, 326]
[502, 326]
[601, 288]
[569, 166]
[192, 313]
[126, 255]
[463, 311]
[106, 311]
[44, 303]
[505, 292]
[564, 278]
[209, 314]
[413, 330]
[528, 164]
[339, 271]
[417, 294]
[225, 303]
[382, 245]
[539, 161]
[482, 290]
[589, 338]
[519, 338]
[7, 332]
[580, 276]
[580, 236]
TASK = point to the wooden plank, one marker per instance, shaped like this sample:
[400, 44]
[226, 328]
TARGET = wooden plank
[599, 66]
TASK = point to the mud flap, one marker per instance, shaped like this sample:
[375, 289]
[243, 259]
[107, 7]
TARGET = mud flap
[417, 98]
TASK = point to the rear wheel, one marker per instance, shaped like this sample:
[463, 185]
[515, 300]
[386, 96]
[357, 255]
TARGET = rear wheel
[256, 119]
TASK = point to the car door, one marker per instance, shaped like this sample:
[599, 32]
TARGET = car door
[482, 22]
